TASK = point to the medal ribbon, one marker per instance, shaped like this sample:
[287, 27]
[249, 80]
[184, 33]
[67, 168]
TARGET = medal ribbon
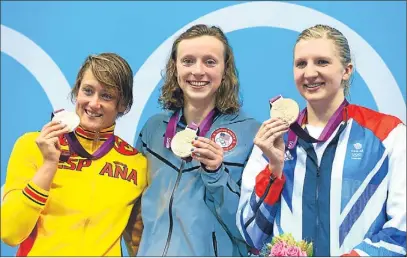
[172, 127]
[77, 147]
[296, 129]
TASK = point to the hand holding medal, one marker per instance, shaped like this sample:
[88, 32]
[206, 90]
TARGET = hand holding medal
[208, 152]
[269, 138]
[186, 144]
[48, 142]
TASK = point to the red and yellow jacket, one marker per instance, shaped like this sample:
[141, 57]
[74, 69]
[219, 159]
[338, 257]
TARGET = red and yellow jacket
[87, 207]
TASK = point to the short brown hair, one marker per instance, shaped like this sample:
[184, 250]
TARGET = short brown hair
[227, 96]
[112, 71]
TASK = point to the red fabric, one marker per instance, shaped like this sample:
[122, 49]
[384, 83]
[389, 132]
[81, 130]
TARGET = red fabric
[88, 134]
[380, 124]
[254, 251]
[27, 244]
[34, 195]
[262, 180]
[352, 253]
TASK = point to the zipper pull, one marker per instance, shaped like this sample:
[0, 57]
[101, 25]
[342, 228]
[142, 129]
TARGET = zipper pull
[95, 141]
[215, 244]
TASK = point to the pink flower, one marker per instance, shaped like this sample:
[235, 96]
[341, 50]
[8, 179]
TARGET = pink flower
[295, 251]
[279, 249]
[286, 245]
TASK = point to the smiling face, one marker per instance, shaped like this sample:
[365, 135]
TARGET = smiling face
[200, 67]
[318, 71]
[96, 104]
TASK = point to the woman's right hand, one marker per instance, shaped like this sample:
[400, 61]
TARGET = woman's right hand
[269, 139]
[48, 141]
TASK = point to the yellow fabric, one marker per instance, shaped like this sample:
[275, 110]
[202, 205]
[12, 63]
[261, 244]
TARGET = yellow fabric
[92, 146]
[89, 202]
[134, 230]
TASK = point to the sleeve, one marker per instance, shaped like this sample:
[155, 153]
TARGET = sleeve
[134, 229]
[259, 200]
[140, 143]
[22, 201]
[141, 146]
[222, 196]
[145, 133]
[391, 239]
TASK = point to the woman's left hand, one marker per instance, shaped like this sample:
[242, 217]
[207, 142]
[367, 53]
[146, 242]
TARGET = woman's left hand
[207, 152]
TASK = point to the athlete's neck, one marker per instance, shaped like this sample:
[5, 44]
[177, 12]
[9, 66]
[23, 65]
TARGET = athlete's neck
[319, 112]
[197, 113]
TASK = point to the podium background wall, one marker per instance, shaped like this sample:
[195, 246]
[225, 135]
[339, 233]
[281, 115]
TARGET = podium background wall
[44, 43]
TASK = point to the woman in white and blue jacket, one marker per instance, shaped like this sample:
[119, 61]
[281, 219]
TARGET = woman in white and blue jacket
[189, 207]
[342, 186]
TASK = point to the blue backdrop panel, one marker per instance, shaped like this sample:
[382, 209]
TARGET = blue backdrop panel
[44, 43]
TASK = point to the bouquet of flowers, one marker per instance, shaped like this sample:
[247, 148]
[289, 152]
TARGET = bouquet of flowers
[285, 245]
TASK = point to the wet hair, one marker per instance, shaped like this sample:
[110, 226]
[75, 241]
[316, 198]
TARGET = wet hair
[227, 96]
[113, 72]
[340, 41]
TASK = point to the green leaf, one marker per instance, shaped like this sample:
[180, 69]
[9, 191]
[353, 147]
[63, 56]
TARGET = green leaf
[309, 250]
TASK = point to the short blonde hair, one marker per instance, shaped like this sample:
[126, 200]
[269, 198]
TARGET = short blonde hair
[341, 43]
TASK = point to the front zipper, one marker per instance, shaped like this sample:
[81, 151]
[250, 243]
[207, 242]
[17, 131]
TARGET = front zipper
[215, 243]
[167, 244]
[317, 209]
[231, 237]
[92, 191]
[95, 141]
[318, 178]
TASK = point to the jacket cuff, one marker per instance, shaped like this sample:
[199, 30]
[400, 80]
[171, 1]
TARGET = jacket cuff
[262, 182]
[35, 194]
[210, 171]
[352, 253]
[210, 176]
